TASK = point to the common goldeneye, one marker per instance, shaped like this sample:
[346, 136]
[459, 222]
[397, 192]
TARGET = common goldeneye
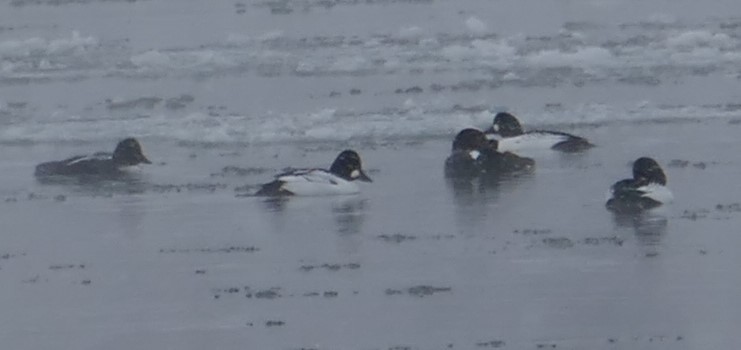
[646, 190]
[128, 153]
[473, 155]
[513, 138]
[317, 182]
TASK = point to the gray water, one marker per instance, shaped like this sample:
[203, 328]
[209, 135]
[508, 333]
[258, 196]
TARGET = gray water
[223, 95]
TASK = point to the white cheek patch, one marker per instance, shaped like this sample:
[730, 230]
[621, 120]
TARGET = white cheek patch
[355, 174]
[495, 127]
[475, 154]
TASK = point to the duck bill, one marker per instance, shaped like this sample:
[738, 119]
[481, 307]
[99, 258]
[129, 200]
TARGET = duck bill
[143, 159]
[364, 177]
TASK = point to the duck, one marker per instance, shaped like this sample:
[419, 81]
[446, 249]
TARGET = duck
[128, 153]
[338, 180]
[508, 130]
[472, 154]
[645, 191]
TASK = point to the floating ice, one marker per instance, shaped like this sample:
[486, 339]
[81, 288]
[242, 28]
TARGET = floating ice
[476, 26]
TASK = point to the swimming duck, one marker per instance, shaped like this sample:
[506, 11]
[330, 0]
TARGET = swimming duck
[646, 190]
[511, 137]
[339, 179]
[473, 154]
[128, 153]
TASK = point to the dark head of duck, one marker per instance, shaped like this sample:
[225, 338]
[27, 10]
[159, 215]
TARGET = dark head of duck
[129, 152]
[471, 139]
[348, 166]
[647, 170]
[505, 124]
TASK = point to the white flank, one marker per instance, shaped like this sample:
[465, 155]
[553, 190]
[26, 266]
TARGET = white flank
[96, 156]
[529, 141]
[657, 192]
[317, 183]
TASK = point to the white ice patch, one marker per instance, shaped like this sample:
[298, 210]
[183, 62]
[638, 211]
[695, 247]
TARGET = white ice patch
[476, 26]
[662, 18]
[496, 53]
[272, 35]
[238, 39]
[510, 76]
[701, 38]
[152, 58]
[349, 64]
[411, 33]
[414, 120]
[583, 57]
[198, 60]
[41, 46]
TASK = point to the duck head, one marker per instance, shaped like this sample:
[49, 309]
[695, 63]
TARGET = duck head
[648, 170]
[470, 139]
[129, 152]
[348, 166]
[505, 124]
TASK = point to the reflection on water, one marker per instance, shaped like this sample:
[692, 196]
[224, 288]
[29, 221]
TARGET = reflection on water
[124, 183]
[472, 195]
[573, 159]
[470, 192]
[275, 204]
[131, 214]
[276, 208]
[349, 214]
[649, 226]
[130, 208]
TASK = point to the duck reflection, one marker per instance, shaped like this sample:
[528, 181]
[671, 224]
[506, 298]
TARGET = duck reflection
[649, 227]
[475, 171]
[131, 214]
[275, 204]
[474, 190]
[348, 211]
[95, 186]
[349, 214]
